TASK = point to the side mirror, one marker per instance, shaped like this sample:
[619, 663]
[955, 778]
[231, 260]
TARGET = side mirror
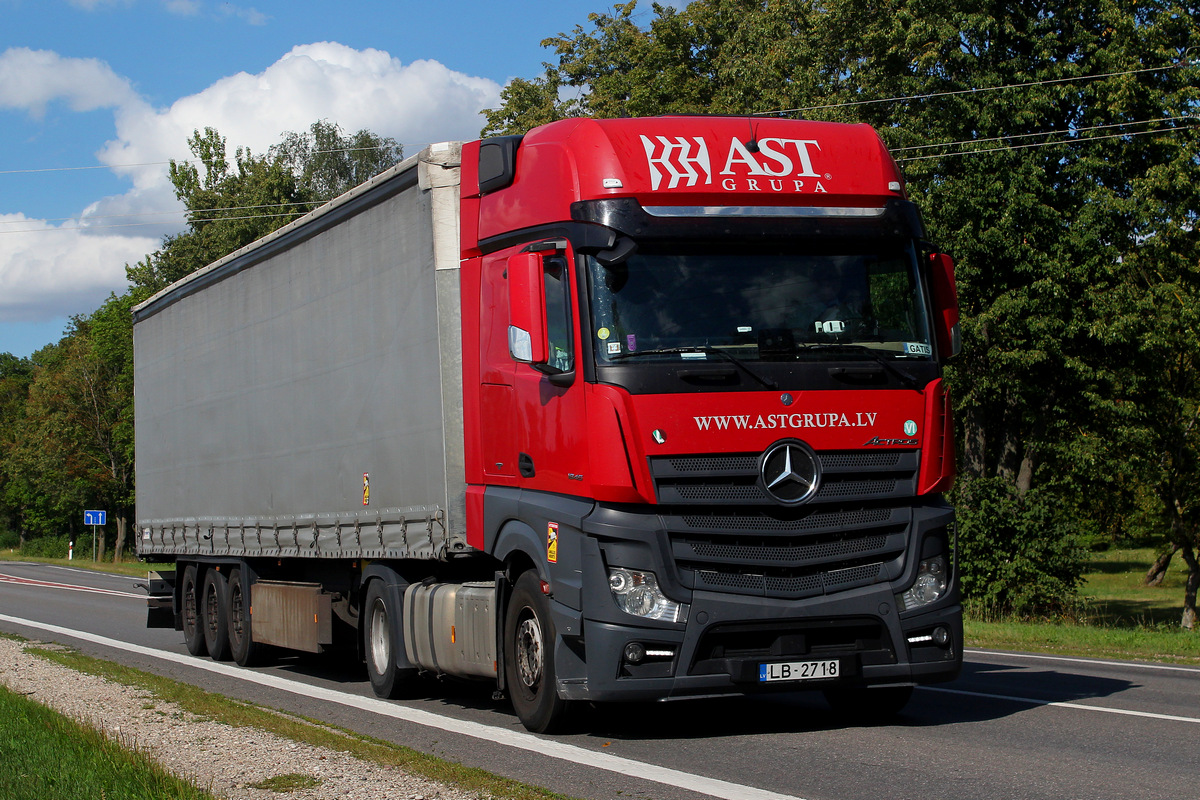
[945, 301]
[526, 309]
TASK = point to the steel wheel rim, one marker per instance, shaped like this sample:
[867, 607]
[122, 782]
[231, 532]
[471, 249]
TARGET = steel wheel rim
[191, 619]
[529, 652]
[235, 610]
[381, 643]
[210, 608]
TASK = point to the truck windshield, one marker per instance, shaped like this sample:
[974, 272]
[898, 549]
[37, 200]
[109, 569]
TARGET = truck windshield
[777, 305]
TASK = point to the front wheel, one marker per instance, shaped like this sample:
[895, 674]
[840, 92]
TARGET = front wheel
[382, 644]
[529, 636]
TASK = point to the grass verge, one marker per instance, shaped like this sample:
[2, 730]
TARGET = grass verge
[1121, 617]
[1090, 641]
[135, 568]
[240, 714]
[44, 754]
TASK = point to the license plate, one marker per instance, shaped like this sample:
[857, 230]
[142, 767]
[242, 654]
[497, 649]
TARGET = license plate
[799, 671]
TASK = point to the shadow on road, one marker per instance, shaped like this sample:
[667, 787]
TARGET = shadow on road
[1009, 690]
[985, 691]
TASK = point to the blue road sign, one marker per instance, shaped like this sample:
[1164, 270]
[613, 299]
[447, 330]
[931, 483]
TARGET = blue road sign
[95, 517]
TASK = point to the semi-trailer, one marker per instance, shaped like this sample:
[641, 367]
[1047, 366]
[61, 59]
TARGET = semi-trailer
[616, 410]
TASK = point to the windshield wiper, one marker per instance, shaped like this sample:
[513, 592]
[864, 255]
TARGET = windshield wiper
[905, 376]
[700, 348]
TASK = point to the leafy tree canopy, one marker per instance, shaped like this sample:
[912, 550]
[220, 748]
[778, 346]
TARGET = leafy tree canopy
[1053, 149]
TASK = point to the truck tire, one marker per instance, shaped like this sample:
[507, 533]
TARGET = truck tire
[242, 647]
[869, 705]
[381, 643]
[193, 628]
[214, 614]
[529, 636]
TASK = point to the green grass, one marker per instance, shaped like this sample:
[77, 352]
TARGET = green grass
[130, 567]
[44, 754]
[1116, 595]
[1119, 616]
[207, 705]
[290, 782]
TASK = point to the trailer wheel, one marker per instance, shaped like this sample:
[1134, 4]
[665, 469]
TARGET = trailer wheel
[529, 636]
[193, 629]
[242, 647]
[214, 611]
[869, 705]
[381, 643]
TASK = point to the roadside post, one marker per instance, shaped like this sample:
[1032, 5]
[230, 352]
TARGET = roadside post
[94, 518]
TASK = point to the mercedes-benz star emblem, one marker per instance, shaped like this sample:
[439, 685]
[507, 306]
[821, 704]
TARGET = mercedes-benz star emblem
[791, 472]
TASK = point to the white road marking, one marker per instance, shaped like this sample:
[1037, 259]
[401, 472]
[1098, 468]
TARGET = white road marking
[1093, 661]
[520, 740]
[1062, 704]
[68, 586]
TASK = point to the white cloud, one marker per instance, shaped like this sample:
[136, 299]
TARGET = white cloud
[32, 79]
[184, 8]
[47, 271]
[415, 103]
[53, 272]
[251, 16]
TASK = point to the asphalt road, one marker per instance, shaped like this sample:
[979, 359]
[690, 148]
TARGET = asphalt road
[1013, 726]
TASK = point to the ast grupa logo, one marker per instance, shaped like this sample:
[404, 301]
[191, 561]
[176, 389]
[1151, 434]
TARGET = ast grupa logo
[777, 165]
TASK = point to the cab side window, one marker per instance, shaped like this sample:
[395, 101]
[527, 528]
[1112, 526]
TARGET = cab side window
[558, 313]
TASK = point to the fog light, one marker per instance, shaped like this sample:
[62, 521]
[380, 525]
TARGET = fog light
[941, 636]
[929, 586]
[637, 593]
[634, 653]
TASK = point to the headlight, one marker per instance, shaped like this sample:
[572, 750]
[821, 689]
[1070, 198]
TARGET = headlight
[637, 593]
[929, 587]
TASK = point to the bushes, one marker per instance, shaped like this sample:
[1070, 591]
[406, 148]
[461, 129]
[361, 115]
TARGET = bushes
[1019, 555]
[49, 546]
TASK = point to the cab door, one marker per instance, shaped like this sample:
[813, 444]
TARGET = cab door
[543, 337]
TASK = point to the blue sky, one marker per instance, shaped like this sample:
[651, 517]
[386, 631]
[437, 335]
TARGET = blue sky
[95, 95]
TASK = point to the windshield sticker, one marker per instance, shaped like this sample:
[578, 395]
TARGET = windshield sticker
[614, 348]
[917, 349]
[631, 343]
[603, 334]
[700, 356]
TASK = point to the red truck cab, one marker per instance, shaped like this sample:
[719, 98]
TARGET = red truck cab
[703, 405]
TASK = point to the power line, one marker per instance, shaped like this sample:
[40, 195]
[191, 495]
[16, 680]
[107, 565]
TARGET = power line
[90, 228]
[81, 220]
[1079, 140]
[966, 152]
[176, 161]
[1043, 133]
[973, 90]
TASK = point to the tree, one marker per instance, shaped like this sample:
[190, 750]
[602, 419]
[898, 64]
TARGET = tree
[1047, 144]
[231, 205]
[227, 208]
[15, 377]
[42, 490]
[327, 163]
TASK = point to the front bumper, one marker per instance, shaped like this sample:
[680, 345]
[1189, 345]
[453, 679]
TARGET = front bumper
[727, 640]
